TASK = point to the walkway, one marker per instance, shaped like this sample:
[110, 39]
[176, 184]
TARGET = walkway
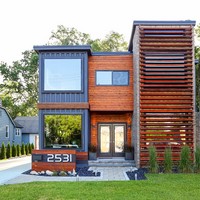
[107, 174]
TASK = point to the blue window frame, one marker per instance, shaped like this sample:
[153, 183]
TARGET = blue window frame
[62, 75]
[116, 78]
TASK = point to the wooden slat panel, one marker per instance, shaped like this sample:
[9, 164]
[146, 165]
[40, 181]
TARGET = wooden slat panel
[166, 90]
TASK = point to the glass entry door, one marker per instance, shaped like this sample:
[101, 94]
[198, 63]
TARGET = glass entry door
[111, 140]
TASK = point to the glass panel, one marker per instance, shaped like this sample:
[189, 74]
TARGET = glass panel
[62, 74]
[119, 139]
[120, 78]
[62, 131]
[104, 78]
[105, 139]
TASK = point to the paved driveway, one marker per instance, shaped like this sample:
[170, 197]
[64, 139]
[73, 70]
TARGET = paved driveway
[13, 168]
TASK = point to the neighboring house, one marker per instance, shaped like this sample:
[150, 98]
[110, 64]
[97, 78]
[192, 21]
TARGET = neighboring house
[10, 131]
[29, 130]
[115, 99]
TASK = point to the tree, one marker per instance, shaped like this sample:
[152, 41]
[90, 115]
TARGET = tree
[14, 150]
[8, 151]
[3, 151]
[23, 149]
[197, 56]
[19, 90]
[71, 36]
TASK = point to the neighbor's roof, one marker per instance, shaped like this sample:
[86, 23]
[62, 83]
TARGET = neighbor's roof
[157, 23]
[30, 124]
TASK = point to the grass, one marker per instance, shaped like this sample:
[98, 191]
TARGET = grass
[158, 186]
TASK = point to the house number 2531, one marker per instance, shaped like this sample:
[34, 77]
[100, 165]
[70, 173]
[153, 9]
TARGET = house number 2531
[59, 157]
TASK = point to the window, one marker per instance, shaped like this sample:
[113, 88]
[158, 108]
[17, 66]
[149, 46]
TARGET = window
[62, 74]
[112, 77]
[17, 132]
[63, 131]
[7, 131]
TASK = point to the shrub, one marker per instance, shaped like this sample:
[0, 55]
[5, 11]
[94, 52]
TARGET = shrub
[3, 151]
[26, 149]
[185, 162]
[168, 160]
[197, 159]
[153, 165]
[32, 146]
[23, 149]
[8, 151]
[14, 152]
[18, 150]
[29, 148]
[92, 148]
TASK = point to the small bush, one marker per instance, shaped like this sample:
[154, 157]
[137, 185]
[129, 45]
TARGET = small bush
[32, 146]
[14, 151]
[168, 160]
[153, 165]
[8, 151]
[26, 149]
[3, 151]
[185, 162]
[18, 150]
[197, 159]
[23, 149]
[29, 148]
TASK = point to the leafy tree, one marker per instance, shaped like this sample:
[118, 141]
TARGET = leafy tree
[19, 90]
[20, 84]
[29, 148]
[8, 151]
[197, 56]
[26, 149]
[153, 165]
[71, 36]
[32, 146]
[168, 160]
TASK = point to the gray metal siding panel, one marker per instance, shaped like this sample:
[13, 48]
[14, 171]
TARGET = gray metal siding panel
[25, 138]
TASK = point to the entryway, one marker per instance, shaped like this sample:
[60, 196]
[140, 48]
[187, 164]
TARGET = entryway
[111, 140]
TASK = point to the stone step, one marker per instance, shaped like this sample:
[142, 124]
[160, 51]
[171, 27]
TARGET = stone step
[111, 163]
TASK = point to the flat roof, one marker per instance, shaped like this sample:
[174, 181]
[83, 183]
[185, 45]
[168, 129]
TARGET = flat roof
[157, 23]
[44, 48]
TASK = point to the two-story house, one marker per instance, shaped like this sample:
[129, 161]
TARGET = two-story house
[112, 100]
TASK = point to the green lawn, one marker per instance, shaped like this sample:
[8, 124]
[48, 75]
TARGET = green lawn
[158, 186]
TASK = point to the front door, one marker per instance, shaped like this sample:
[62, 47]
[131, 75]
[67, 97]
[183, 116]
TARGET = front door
[111, 140]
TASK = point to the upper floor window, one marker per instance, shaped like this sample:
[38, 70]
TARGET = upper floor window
[62, 74]
[7, 131]
[112, 78]
[17, 132]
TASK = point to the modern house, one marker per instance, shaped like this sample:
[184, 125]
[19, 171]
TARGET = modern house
[10, 131]
[29, 130]
[138, 98]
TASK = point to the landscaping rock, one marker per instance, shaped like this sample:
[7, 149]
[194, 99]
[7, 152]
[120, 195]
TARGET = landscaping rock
[49, 173]
[33, 173]
[137, 174]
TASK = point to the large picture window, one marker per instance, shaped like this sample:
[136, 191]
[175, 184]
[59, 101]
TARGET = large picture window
[62, 74]
[63, 131]
[112, 78]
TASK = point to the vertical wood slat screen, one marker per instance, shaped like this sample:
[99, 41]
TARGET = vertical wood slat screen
[166, 90]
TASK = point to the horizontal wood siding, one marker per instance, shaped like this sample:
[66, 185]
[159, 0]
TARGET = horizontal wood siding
[110, 98]
[166, 90]
[109, 117]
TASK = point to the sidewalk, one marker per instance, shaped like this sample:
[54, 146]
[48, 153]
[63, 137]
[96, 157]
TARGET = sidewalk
[107, 174]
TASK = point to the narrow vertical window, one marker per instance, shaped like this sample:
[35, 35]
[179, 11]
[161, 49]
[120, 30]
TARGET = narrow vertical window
[7, 131]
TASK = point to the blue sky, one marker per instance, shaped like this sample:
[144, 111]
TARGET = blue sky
[25, 23]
